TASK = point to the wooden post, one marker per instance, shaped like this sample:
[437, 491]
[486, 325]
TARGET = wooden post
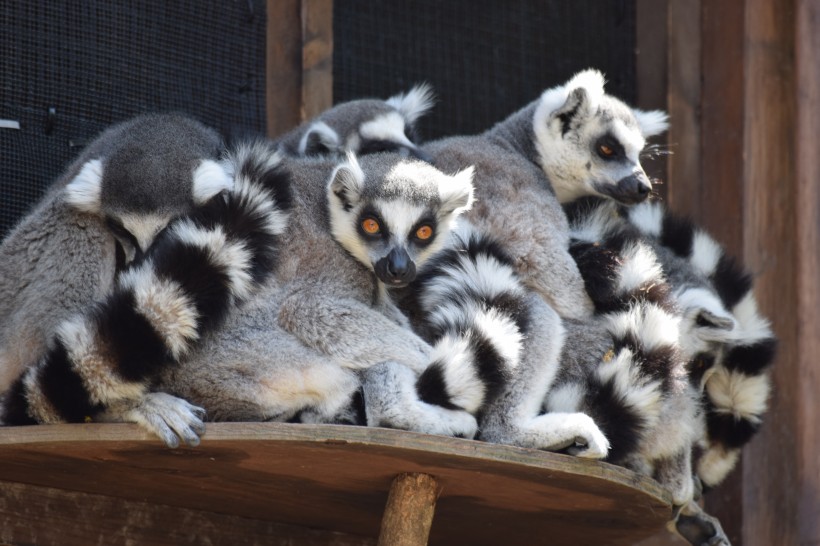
[299, 62]
[409, 511]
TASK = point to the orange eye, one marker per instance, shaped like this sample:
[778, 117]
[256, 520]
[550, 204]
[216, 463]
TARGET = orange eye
[371, 226]
[605, 150]
[424, 233]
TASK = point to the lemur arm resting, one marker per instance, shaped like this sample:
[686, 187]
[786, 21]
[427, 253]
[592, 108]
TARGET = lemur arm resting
[239, 486]
[352, 333]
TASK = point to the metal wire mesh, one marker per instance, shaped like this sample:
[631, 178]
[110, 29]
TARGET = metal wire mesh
[484, 58]
[93, 63]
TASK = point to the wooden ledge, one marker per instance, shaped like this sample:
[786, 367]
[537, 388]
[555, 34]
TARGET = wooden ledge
[278, 478]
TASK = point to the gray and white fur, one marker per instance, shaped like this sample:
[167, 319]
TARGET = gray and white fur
[726, 344]
[362, 126]
[101, 363]
[324, 332]
[104, 210]
[524, 166]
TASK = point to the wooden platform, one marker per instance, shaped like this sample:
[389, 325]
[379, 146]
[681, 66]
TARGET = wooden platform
[272, 483]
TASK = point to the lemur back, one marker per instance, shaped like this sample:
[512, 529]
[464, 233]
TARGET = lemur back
[102, 212]
[362, 126]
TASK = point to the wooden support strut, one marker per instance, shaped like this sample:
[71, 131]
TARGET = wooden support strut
[408, 514]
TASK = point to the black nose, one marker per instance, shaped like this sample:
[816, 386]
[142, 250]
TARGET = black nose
[396, 269]
[634, 188]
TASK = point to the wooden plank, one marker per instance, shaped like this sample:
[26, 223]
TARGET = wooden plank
[721, 183]
[683, 191]
[283, 66]
[337, 478]
[651, 40]
[807, 197]
[317, 57]
[53, 517]
[774, 470]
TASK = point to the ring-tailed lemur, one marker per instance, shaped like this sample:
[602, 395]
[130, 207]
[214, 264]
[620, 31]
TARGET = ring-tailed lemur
[325, 330]
[362, 126]
[104, 210]
[573, 136]
[731, 345]
[726, 344]
[100, 365]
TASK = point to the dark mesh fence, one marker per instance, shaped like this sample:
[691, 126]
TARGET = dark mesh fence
[94, 63]
[484, 58]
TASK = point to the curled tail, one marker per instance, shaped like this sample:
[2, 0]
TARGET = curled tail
[737, 386]
[199, 268]
[474, 312]
[624, 391]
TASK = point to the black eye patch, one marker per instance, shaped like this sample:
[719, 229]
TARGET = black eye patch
[119, 231]
[371, 213]
[609, 148]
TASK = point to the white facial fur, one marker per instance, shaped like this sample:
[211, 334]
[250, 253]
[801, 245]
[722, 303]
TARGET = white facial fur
[399, 215]
[570, 160]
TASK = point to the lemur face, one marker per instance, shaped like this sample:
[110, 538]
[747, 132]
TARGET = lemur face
[589, 143]
[392, 213]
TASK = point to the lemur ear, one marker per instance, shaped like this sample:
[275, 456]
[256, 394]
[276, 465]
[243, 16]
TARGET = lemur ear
[347, 181]
[577, 107]
[320, 140]
[413, 104]
[85, 191]
[708, 319]
[209, 179]
[652, 122]
[457, 194]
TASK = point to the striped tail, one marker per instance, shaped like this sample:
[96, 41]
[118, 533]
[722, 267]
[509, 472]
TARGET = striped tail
[738, 385]
[474, 312]
[625, 390]
[198, 269]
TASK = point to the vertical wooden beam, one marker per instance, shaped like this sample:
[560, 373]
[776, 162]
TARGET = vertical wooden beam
[408, 515]
[283, 66]
[651, 41]
[777, 476]
[807, 196]
[299, 62]
[683, 191]
[317, 57]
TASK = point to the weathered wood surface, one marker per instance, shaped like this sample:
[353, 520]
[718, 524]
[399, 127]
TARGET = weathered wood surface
[326, 478]
[408, 514]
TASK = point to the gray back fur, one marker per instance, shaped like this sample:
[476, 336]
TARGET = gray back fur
[62, 256]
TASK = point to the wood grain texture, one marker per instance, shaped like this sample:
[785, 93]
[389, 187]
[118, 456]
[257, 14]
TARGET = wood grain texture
[336, 478]
[774, 474]
[408, 514]
[683, 189]
[283, 66]
[317, 57]
[807, 74]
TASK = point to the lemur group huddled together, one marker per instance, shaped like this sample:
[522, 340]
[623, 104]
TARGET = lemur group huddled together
[517, 286]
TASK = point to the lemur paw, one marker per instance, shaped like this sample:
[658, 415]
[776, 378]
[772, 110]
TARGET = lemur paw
[168, 417]
[698, 527]
[590, 445]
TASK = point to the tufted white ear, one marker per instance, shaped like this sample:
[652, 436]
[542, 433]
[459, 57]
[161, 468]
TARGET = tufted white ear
[347, 181]
[591, 81]
[457, 195]
[210, 178]
[84, 192]
[652, 122]
[413, 104]
[320, 139]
